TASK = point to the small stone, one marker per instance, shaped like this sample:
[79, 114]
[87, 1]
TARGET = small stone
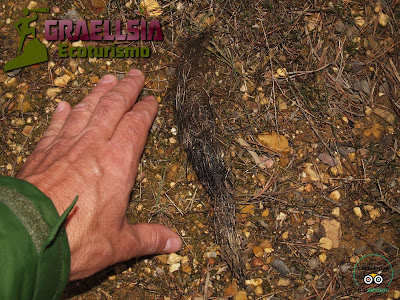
[258, 251]
[174, 267]
[333, 231]
[265, 213]
[335, 195]
[358, 212]
[172, 140]
[310, 172]
[328, 160]
[275, 142]
[94, 79]
[73, 65]
[281, 217]
[62, 81]
[345, 267]
[285, 235]
[113, 277]
[281, 72]
[308, 188]
[283, 282]
[10, 81]
[361, 249]
[325, 243]
[265, 244]
[186, 268]
[359, 21]
[322, 258]
[162, 258]
[139, 207]
[254, 281]
[14, 72]
[232, 289]
[368, 111]
[259, 291]
[354, 259]
[336, 211]
[377, 130]
[247, 210]
[396, 294]
[241, 295]
[383, 19]
[374, 214]
[173, 258]
[56, 9]
[257, 262]
[368, 207]
[282, 106]
[27, 130]
[280, 266]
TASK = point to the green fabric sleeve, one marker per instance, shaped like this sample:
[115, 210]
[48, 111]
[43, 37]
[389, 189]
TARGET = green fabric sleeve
[34, 250]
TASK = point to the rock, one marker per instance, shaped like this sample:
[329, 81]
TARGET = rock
[275, 142]
[94, 79]
[257, 262]
[328, 160]
[359, 21]
[232, 289]
[281, 72]
[283, 282]
[173, 258]
[383, 19]
[281, 217]
[98, 4]
[285, 235]
[280, 266]
[322, 258]
[259, 291]
[186, 268]
[14, 72]
[384, 114]
[72, 15]
[325, 243]
[112, 277]
[258, 251]
[335, 195]
[248, 210]
[358, 212]
[56, 9]
[344, 150]
[336, 212]
[377, 130]
[265, 244]
[254, 281]
[374, 214]
[282, 106]
[10, 81]
[333, 231]
[310, 172]
[265, 213]
[151, 8]
[361, 249]
[174, 267]
[27, 130]
[52, 92]
[346, 267]
[62, 81]
[162, 258]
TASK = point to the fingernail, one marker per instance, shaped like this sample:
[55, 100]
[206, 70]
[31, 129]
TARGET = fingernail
[61, 106]
[135, 72]
[107, 78]
[172, 245]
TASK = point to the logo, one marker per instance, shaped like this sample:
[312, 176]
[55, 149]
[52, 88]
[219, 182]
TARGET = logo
[34, 51]
[102, 31]
[373, 273]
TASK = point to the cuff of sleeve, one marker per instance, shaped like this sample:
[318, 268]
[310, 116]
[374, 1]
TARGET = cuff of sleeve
[32, 207]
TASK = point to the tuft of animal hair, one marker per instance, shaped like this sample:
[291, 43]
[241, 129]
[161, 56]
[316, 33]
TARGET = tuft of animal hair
[197, 130]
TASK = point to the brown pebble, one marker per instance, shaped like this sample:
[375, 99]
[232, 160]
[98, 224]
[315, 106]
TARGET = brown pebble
[27, 130]
[94, 79]
[258, 251]
[257, 262]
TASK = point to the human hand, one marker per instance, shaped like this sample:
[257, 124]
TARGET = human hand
[93, 151]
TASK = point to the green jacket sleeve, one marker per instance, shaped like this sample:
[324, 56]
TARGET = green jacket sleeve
[34, 250]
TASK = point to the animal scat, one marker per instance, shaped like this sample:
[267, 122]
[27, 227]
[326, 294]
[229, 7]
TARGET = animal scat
[198, 132]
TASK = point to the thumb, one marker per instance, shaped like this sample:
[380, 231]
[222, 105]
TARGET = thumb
[146, 239]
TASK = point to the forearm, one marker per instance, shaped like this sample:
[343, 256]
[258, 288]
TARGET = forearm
[34, 252]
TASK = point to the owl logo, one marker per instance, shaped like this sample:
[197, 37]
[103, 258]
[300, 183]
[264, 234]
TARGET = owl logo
[373, 278]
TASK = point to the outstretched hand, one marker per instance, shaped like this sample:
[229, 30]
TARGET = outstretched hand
[93, 151]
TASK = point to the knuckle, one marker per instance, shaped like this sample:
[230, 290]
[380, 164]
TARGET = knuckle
[116, 97]
[84, 107]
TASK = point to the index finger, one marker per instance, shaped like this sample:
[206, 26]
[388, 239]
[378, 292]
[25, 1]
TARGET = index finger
[114, 104]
